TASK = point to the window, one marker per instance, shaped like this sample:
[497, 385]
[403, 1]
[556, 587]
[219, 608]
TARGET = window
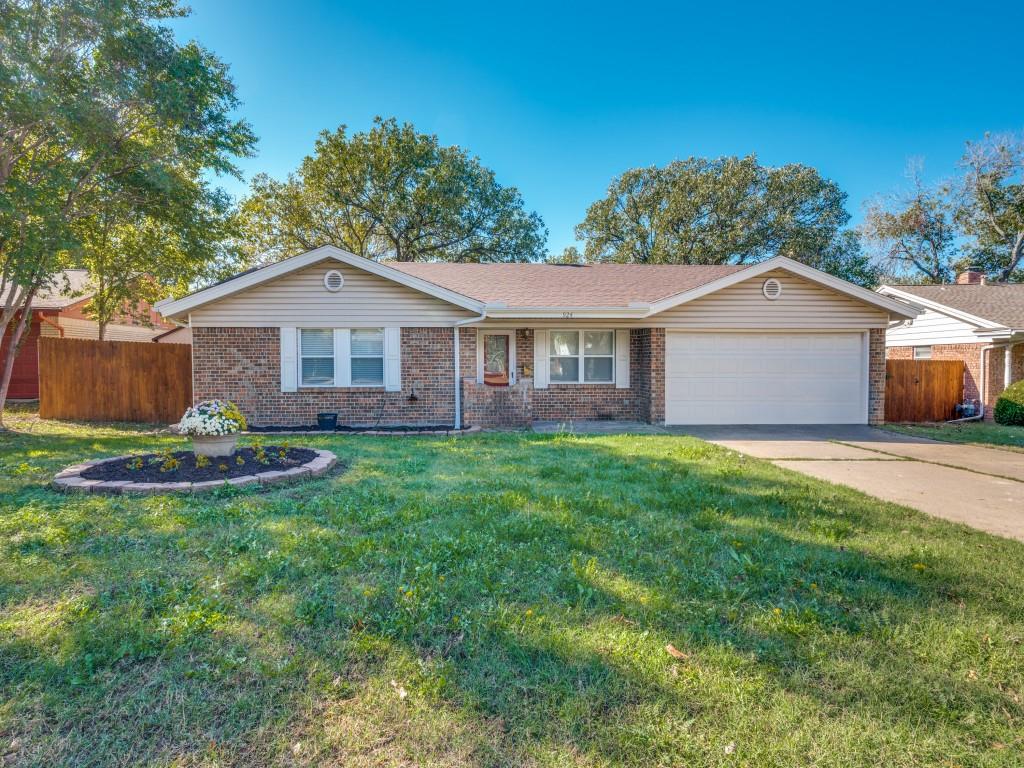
[582, 357]
[922, 353]
[316, 353]
[317, 366]
[368, 357]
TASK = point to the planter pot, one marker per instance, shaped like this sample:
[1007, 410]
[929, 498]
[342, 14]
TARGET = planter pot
[214, 445]
[327, 421]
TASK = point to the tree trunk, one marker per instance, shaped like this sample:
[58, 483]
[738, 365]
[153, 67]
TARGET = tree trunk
[102, 332]
[1016, 252]
[17, 336]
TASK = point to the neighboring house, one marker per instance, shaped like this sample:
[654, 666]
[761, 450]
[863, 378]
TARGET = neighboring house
[60, 312]
[978, 322]
[178, 335]
[377, 343]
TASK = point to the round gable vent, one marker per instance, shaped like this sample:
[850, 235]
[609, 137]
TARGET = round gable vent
[771, 289]
[333, 280]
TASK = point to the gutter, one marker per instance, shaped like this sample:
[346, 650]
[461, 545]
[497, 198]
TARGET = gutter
[457, 364]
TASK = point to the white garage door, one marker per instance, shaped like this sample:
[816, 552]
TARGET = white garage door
[765, 378]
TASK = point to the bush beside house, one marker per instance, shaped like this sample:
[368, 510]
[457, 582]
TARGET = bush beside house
[1010, 406]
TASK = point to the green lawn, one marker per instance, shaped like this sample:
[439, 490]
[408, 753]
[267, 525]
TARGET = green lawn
[502, 599]
[980, 433]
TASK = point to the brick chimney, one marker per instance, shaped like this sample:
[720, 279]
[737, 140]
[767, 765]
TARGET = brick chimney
[971, 276]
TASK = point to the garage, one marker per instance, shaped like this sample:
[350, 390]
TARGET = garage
[746, 377]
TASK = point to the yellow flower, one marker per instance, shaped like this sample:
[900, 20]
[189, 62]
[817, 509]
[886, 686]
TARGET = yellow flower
[919, 566]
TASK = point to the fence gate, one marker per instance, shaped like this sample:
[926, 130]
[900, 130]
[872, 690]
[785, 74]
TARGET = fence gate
[114, 380]
[923, 390]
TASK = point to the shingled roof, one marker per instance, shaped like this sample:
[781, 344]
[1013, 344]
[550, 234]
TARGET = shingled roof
[565, 285]
[67, 288]
[1001, 303]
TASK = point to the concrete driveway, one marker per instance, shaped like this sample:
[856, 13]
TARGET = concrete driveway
[982, 487]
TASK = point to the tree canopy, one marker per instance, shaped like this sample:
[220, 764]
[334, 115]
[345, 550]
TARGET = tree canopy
[390, 193]
[991, 210]
[101, 110]
[914, 233]
[729, 210]
[976, 218]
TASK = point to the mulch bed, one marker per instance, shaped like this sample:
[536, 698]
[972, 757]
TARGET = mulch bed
[243, 462]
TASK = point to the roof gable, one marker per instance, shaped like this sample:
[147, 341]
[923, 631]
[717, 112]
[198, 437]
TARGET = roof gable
[988, 307]
[246, 280]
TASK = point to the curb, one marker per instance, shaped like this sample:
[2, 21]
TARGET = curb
[70, 480]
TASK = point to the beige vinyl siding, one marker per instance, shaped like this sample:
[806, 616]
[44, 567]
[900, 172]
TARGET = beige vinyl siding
[76, 328]
[931, 327]
[300, 299]
[802, 305]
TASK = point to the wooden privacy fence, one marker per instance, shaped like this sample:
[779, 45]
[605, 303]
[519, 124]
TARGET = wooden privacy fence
[114, 380]
[923, 390]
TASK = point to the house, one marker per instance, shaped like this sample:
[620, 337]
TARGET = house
[178, 335]
[507, 344]
[60, 312]
[977, 322]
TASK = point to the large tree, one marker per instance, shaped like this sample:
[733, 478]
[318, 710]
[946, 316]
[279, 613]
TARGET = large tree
[729, 210]
[135, 257]
[914, 232]
[390, 193]
[992, 204]
[97, 102]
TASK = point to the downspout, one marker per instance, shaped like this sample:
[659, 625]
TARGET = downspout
[458, 365]
[984, 385]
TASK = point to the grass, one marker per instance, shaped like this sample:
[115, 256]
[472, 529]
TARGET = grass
[496, 600]
[974, 432]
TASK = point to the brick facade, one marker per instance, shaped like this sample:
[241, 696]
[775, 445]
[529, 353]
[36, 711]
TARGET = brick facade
[876, 376]
[244, 365]
[520, 404]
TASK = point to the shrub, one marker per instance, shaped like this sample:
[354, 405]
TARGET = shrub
[1010, 405]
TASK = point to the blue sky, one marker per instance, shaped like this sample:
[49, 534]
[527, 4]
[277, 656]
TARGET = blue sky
[557, 99]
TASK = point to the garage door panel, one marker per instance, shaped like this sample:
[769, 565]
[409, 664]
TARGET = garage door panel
[764, 378]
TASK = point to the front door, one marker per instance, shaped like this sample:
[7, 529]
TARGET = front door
[497, 359]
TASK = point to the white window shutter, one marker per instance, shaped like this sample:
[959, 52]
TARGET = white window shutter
[342, 357]
[622, 358]
[393, 359]
[540, 359]
[289, 360]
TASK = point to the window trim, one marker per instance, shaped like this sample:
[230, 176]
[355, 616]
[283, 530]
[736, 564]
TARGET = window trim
[301, 356]
[334, 384]
[913, 352]
[581, 356]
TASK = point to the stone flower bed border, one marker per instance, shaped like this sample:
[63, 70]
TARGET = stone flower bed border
[70, 480]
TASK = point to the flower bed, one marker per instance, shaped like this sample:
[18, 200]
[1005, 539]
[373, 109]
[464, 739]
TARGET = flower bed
[185, 466]
[185, 472]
